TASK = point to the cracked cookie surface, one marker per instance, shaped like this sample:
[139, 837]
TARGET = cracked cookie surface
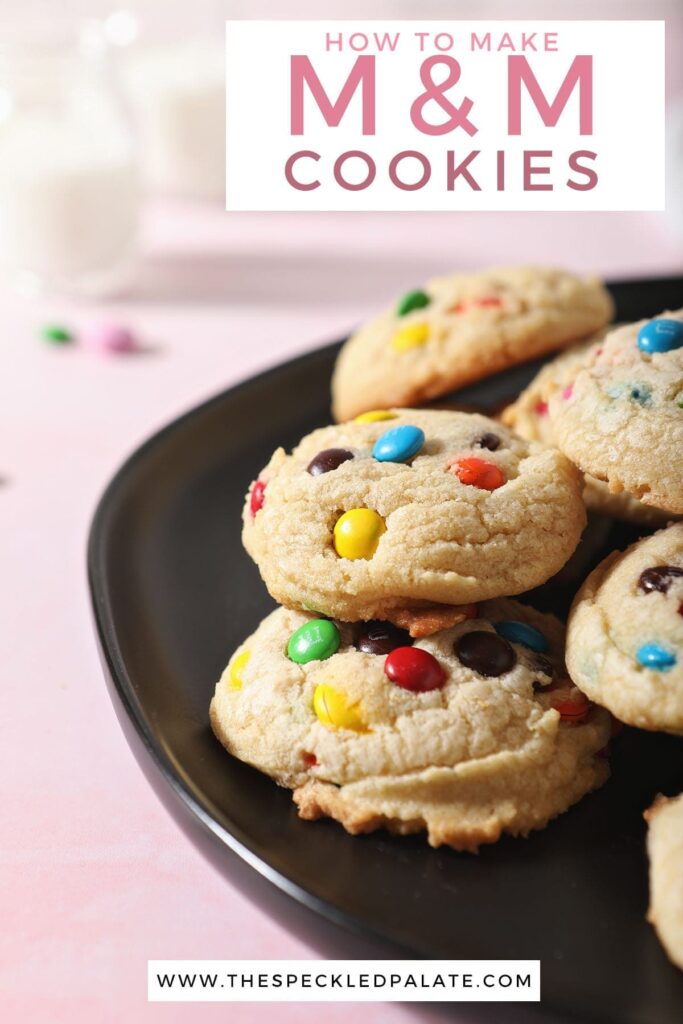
[475, 513]
[625, 633]
[469, 733]
[461, 328]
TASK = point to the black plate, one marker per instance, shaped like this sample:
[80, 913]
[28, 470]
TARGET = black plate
[174, 594]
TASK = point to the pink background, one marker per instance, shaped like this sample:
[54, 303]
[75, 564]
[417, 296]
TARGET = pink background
[95, 877]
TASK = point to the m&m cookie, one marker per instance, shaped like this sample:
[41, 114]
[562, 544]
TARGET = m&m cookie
[469, 733]
[532, 416]
[375, 517]
[625, 633]
[665, 851]
[461, 328]
[622, 420]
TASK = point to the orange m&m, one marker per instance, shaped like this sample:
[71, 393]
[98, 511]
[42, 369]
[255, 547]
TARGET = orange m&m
[477, 473]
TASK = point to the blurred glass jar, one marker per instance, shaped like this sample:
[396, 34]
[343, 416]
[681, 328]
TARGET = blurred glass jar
[69, 182]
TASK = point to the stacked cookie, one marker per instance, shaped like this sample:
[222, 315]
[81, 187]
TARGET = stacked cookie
[401, 685]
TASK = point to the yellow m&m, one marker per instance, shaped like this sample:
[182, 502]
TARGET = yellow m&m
[410, 336]
[237, 668]
[375, 416]
[357, 533]
[333, 709]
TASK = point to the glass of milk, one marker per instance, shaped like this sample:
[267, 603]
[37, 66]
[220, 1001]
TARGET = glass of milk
[69, 182]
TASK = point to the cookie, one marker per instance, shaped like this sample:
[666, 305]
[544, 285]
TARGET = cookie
[470, 733]
[461, 328]
[530, 417]
[625, 633]
[621, 420]
[665, 850]
[423, 506]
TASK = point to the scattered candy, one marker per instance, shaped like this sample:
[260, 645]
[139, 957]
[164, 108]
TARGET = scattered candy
[470, 304]
[541, 408]
[477, 473]
[660, 336]
[488, 441]
[568, 392]
[327, 460]
[258, 494]
[410, 336]
[237, 668]
[333, 709]
[485, 653]
[412, 300]
[377, 637]
[522, 633]
[656, 657]
[57, 333]
[357, 533]
[398, 444]
[572, 710]
[659, 577]
[314, 641]
[414, 669]
[375, 416]
[110, 337]
[309, 759]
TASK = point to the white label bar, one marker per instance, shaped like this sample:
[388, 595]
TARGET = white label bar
[343, 981]
[445, 115]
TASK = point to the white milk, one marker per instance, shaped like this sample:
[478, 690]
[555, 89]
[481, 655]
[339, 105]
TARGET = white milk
[69, 195]
[177, 96]
[68, 208]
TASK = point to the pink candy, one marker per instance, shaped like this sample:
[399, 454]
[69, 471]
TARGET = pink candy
[109, 336]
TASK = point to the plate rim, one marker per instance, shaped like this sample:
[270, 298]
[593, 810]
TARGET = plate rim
[113, 663]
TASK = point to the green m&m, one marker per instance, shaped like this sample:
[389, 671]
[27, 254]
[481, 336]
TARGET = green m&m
[314, 641]
[412, 300]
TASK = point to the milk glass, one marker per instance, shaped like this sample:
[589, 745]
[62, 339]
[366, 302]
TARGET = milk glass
[69, 188]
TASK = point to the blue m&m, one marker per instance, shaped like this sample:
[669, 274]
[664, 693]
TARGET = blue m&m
[398, 444]
[660, 336]
[521, 633]
[656, 657]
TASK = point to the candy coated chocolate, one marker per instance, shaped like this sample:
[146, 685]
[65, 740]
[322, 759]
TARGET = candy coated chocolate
[327, 460]
[659, 577]
[522, 633]
[663, 335]
[414, 669]
[398, 444]
[416, 299]
[314, 641]
[655, 657]
[376, 637]
[357, 533]
[485, 652]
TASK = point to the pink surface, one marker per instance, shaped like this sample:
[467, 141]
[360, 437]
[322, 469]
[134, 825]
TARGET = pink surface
[96, 878]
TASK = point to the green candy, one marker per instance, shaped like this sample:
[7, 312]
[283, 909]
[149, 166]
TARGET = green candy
[56, 333]
[412, 300]
[314, 641]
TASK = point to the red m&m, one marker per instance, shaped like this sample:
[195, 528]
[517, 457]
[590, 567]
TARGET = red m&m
[487, 302]
[572, 710]
[477, 473]
[258, 496]
[414, 669]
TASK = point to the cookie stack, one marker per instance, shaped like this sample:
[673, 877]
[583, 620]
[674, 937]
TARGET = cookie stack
[400, 685]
